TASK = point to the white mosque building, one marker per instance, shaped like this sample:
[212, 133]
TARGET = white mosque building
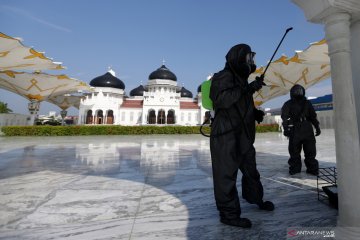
[160, 102]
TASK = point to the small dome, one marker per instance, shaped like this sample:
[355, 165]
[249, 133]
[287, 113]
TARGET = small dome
[107, 80]
[199, 88]
[162, 73]
[185, 93]
[139, 91]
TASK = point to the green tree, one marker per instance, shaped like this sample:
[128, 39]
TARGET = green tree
[4, 108]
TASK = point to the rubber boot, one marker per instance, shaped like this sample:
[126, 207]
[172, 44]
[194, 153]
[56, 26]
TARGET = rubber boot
[237, 222]
[267, 206]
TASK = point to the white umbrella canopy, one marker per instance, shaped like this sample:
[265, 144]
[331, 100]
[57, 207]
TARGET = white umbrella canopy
[306, 68]
[318, 53]
[40, 86]
[64, 101]
[15, 56]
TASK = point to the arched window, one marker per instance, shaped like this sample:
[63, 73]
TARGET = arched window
[161, 117]
[151, 117]
[110, 117]
[171, 117]
[89, 117]
[99, 117]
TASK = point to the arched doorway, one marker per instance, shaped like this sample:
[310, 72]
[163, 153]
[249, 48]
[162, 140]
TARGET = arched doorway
[99, 117]
[110, 117]
[151, 117]
[161, 117]
[170, 119]
[89, 117]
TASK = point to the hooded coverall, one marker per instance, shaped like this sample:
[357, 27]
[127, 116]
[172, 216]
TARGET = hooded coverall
[233, 135]
[301, 114]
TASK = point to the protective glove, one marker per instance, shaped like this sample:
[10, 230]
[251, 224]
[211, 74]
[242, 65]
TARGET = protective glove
[286, 132]
[259, 115]
[257, 84]
[317, 131]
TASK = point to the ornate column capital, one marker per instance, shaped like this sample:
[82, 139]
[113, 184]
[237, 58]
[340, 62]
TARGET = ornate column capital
[337, 30]
[317, 11]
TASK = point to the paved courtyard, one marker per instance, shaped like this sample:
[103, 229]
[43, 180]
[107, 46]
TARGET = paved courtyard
[145, 187]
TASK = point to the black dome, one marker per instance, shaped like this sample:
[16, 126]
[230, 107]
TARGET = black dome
[162, 73]
[107, 80]
[139, 91]
[199, 88]
[185, 93]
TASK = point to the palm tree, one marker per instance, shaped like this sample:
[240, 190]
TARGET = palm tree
[4, 108]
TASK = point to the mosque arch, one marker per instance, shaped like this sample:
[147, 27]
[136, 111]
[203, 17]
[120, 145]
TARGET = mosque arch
[151, 116]
[161, 117]
[99, 119]
[170, 119]
[110, 117]
[89, 117]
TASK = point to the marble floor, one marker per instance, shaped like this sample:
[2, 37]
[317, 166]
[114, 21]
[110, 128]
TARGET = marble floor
[145, 187]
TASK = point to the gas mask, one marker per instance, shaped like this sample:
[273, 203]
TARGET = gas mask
[250, 60]
[241, 60]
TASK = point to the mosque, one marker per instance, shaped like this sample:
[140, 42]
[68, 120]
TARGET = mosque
[160, 102]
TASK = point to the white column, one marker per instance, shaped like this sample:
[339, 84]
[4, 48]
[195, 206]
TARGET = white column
[32, 119]
[349, 185]
[166, 113]
[143, 117]
[337, 27]
[79, 121]
[33, 107]
[355, 61]
[343, 41]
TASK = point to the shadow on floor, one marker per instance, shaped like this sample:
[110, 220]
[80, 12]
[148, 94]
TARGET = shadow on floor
[181, 168]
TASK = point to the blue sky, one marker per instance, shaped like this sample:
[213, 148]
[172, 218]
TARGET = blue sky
[134, 36]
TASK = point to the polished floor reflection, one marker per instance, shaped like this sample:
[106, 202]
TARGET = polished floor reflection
[145, 187]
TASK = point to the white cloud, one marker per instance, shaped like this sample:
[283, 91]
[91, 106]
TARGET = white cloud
[27, 14]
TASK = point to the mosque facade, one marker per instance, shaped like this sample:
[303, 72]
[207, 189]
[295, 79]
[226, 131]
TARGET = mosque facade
[159, 102]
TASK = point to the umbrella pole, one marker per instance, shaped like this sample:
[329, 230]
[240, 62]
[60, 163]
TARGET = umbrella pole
[63, 114]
